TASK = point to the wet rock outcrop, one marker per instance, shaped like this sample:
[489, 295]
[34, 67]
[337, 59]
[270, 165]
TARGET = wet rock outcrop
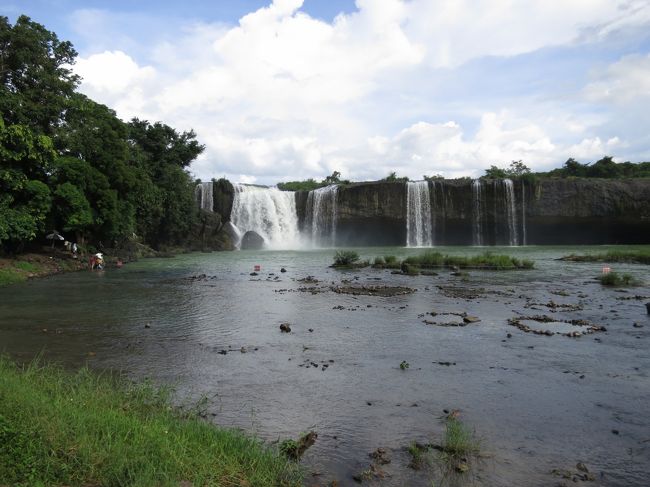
[252, 241]
[209, 233]
[223, 198]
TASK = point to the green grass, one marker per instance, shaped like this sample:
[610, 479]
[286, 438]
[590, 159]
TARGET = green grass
[17, 271]
[420, 455]
[641, 256]
[459, 446]
[432, 259]
[616, 279]
[27, 266]
[79, 429]
[11, 276]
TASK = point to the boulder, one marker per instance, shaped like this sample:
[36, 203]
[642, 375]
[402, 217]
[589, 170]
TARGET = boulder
[252, 241]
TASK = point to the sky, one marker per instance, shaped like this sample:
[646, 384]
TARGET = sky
[282, 90]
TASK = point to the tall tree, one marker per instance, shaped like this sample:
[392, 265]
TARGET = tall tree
[25, 199]
[164, 154]
[36, 79]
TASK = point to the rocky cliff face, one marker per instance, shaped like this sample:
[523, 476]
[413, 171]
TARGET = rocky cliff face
[371, 213]
[596, 211]
[209, 233]
[463, 212]
[223, 197]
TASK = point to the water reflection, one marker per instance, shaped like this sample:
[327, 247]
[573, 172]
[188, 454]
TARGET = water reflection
[537, 402]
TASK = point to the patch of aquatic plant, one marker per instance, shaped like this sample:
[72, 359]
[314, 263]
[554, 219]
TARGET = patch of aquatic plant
[295, 449]
[459, 448]
[345, 258]
[420, 455]
[432, 259]
[386, 262]
[404, 365]
[391, 259]
[61, 428]
[348, 259]
[616, 279]
[640, 256]
[410, 269]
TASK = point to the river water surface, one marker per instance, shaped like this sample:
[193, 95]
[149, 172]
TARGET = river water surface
[536, 403]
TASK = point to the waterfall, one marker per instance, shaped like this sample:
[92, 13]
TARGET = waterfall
[418, 219]
[477, 215]
[269, 212]
[510, 211]
[523, 213]
[321, 216]
[203, 194]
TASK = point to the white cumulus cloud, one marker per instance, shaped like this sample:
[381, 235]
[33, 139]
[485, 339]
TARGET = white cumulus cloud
[282, 95]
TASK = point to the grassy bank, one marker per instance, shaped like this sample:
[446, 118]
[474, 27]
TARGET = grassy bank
[640, 256]
[433, 260]
[19, 269]
[58, 428]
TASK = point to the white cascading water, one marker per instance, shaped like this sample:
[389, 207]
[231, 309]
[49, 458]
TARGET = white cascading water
[523, 213]
[510, 210]
[418, 215]
[269, 212]
[203, 194]
[477, 216]
[322, 215]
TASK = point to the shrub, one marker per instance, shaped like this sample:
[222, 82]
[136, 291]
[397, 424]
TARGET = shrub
[345, 258]
[616, 279]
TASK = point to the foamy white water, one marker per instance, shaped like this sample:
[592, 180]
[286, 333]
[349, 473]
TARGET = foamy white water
[269, 212]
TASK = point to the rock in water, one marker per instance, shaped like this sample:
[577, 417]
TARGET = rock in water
[252, 241]
[471, 319]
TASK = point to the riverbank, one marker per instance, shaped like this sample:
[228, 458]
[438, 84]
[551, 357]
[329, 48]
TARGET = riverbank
[47, 261]
[32, 265]
[61, 428]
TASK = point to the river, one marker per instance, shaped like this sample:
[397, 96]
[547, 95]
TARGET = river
[536, 402]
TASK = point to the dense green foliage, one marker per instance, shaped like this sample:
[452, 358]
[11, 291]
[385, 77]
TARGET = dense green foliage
[306, 185]
[311, 184]
[393, 177]
[603, 168]
[431, 259]
[69, 163]
[517, 169]
[58, 428]
[640, 256]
